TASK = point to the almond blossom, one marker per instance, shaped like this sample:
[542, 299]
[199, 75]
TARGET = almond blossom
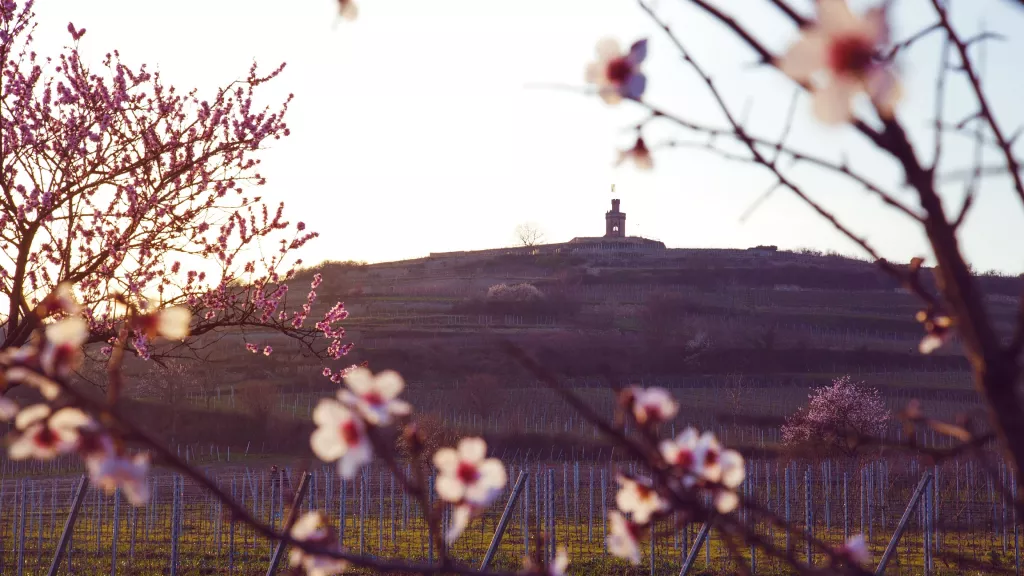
[639, 155]
[112, 471]
[348, 10]
[465, 475]
[856, 548]
[171, 323]
[61, 300]
[702, 461]
[622, 538]
[62, 348]
[340, 435]
[638, 498]
[375, 397]
[313, 528]
[461, 515]
[43, 435]
[938, 328]
[653, 405]
[617, 74]
[838, 57]
[681, 453]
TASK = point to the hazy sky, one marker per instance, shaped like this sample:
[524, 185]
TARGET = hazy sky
[419, 127]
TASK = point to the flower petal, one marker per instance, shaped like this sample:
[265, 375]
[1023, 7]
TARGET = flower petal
[472, 449]
[637, 52]
[832, 103]
[834, 17]
[359, 380]
[733, 471]
[354, 459]
[69, 418]
[449, 488]
[173, 323]
[389, 383]
[726, 501]
[459, 520]
[446, 460]
[635, 86]
[804, 57]
[69, 331]
[885, 91]
[330, 413]
[30, 415]
[327, 444]
[608, 48]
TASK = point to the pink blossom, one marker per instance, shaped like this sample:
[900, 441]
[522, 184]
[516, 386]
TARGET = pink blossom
[638, 498]
[638, 154]
[375, 397]
[653, 405]
[340, 435]
[622, 539]
[845, 49]
[617, 74]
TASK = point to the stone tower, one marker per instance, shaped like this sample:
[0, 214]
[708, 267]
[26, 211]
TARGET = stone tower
[615, 222]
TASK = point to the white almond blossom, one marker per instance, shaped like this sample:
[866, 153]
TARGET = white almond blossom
[348, 10]
[622, 538]
[312, 527]
[340, 435]
[616, 73]
[653, 405]
[466, 475]
[62, 347]
[639, 155]
[42, 435]
[375, 396]
[681, 453]
[856, 548]
[838, 57]
[112, 471]
[638, 498]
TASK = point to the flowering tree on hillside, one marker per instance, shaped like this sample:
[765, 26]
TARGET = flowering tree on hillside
[128, 191]
[837, 416]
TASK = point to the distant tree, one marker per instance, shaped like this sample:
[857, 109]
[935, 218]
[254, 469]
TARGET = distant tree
[836, 416]
[529, 234]
[514, 293]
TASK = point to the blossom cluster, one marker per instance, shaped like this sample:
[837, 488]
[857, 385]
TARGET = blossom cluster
[58, 426]
[346, 424]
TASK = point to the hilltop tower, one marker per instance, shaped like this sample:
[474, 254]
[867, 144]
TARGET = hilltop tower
[615, 222]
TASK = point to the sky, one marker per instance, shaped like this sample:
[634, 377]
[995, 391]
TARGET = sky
[437, 126]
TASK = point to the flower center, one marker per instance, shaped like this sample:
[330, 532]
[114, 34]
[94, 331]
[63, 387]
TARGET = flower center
[467, 473]
[350, 432]
[45, 437]
[619, 70]
[374, 398]
[850, 55]
[684, 459]
[710, 458]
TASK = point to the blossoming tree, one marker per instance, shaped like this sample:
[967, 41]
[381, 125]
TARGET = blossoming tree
[837, 417]
[125, 190]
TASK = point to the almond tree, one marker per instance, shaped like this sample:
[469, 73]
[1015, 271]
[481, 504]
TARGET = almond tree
[836, 55]
[132, 191]
[837, 416]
